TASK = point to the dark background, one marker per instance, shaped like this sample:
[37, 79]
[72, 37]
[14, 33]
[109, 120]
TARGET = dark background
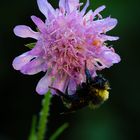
[117, 119]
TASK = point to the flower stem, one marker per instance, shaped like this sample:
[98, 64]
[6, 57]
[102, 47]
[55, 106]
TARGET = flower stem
[32, 135]
[44, 116]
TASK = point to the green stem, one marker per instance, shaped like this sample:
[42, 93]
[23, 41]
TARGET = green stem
[44, 116]
[32, 135]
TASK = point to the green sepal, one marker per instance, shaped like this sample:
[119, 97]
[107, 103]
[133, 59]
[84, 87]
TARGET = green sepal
[31, 45]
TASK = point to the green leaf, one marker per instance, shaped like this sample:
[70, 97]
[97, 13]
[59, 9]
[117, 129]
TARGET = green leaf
[59, 131]
[32, 135]
[44, 116]
[30, 45]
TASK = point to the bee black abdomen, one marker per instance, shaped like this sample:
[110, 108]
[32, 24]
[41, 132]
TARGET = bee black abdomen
[78, 105]
[96, 100]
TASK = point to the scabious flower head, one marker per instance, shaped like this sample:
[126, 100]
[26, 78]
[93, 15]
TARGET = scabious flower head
[68, 37]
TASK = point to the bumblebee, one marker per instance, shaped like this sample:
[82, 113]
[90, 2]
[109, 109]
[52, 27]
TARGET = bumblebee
[91, 93]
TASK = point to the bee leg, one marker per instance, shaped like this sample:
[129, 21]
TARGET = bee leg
[60, 93]
[88, 75]
[67, 112]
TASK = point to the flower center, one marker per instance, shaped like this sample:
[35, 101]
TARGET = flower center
[65, 46]
[97, 42]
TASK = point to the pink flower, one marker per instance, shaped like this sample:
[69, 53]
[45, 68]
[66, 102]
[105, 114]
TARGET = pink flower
[66, 39]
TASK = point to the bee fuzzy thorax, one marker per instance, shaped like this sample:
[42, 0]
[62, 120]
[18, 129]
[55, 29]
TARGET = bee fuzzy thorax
[103, 94]
[100, 96]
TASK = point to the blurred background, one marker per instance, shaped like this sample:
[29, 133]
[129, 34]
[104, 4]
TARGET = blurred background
[117, 119]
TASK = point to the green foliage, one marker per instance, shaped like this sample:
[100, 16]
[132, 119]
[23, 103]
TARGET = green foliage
[59, 131]
[31, 45]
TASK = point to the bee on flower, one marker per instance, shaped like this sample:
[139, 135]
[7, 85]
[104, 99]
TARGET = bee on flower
[64, 41]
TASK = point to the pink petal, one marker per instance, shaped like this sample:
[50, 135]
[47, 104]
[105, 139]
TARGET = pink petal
[109, 57]
[37, 50]
[104, 25]
[109, 38]
[88, 15]
[64, 6]
[98, 10]
[25, 32]
[61, 83]
[73, 4]
[42, 86]
[33, 67]
[22, 60]
[39, 23]
[62, 3]
[46, 8]
[85, 8]
[43, 7]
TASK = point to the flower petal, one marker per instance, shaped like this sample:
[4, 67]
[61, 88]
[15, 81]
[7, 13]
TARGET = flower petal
[37, 50]
[39, 23]
[22, 60]
[61, 83]
[109, 38]
[25, 32]
[64, 6]
[46, 8]
[62, 3]
[33, 67]
[85, 8]
[98, 10]
[109, 57]
[42, 86]
[88, 16]
[104, 25]
[73, 4]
